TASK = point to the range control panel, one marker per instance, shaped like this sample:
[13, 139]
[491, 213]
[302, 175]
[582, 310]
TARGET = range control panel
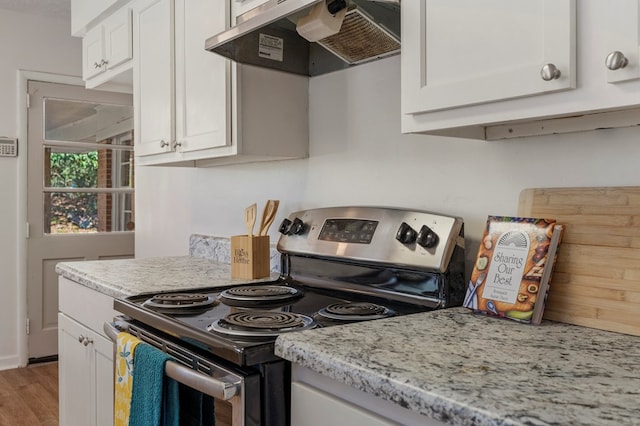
[356, 231]
[375, 235]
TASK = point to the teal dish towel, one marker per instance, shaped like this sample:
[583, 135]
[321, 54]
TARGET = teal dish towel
[154, 397]
[196, 409]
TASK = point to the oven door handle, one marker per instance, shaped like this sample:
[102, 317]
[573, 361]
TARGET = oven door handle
[208, 385]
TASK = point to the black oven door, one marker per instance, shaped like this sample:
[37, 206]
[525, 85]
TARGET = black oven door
[236, 395]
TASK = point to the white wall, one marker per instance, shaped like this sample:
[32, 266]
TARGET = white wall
[35, 44]
[358, 156]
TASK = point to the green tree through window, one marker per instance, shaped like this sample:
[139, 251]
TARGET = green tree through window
[74, 170]
[71, 170]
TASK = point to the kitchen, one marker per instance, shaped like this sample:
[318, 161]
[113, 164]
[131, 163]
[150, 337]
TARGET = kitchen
[354, 135]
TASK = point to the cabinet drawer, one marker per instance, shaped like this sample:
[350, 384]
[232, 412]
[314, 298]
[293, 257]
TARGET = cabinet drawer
[85, 305]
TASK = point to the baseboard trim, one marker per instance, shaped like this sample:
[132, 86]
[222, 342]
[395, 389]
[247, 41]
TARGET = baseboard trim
[9, 362]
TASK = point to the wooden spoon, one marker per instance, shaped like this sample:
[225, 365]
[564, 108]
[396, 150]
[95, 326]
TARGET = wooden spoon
[268, 214]
[250, 218]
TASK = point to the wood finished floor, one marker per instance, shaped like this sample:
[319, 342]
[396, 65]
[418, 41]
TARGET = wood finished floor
[29, 396]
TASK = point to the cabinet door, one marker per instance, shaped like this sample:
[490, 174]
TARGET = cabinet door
[153, 94]
[118, 38]
[202, 78]
[103, 373]
[622, 34]
[312, 407]
[465, 52]
[93, 55]
[85, 375]
[74, 374]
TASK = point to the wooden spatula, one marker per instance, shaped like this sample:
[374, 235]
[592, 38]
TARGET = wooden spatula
[250, 218]
[268, 214]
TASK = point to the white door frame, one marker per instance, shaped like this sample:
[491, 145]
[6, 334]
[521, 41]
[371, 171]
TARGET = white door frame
[21, 225]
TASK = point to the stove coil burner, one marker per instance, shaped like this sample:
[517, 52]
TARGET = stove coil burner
[259, 295]
[180, 303]
[179, 299]
[261, 323]
[355, 311]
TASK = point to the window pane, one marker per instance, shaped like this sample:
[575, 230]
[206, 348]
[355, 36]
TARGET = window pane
[82, 212]
[75, 121]
[69, 167]
[88, 147]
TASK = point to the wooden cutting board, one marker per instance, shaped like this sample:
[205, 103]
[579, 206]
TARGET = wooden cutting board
[596, 281]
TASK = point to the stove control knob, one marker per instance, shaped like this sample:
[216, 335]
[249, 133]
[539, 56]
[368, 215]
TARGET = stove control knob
[427, 238]
[297, 227]
[406, 234]
[285, 227]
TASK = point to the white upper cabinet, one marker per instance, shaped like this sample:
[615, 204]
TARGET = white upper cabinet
[622, 24]
[86, 13]
[202, 78]
[238, 7]
[196, 108]
[118, 38]
[93, 53]
[153, 95]
[467, 52]
[107, 50]
[181, 89]
[496, 69]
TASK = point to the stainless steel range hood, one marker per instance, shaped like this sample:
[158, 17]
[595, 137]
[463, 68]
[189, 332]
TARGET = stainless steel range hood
[269, 35]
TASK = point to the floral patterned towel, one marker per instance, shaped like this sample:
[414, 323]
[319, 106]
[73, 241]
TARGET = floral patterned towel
[126, 344]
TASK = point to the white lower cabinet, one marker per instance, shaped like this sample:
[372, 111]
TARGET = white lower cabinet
[86, 369]
[86, 375]
[312, 407]
[317, 400]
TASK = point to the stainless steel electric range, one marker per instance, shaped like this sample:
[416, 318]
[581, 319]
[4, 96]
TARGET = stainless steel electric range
[338, 265]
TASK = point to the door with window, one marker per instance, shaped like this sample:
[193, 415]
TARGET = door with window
[80, 192]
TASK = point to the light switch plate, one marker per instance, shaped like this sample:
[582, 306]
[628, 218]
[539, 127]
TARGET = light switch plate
[8, 147]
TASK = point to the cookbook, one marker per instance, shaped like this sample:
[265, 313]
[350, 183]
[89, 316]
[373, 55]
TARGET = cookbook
[513, 268]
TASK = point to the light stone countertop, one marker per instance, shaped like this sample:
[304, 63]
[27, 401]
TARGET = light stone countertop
[125, 277]
[208, 265]
[468, 369]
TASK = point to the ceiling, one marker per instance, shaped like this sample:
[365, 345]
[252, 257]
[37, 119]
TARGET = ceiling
[52, 8]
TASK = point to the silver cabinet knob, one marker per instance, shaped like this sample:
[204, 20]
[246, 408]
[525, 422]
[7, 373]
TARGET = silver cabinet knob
[100, 64]
[86, 341]
[550, 72]
[616, 60]
[177, 144]
[164, 143]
